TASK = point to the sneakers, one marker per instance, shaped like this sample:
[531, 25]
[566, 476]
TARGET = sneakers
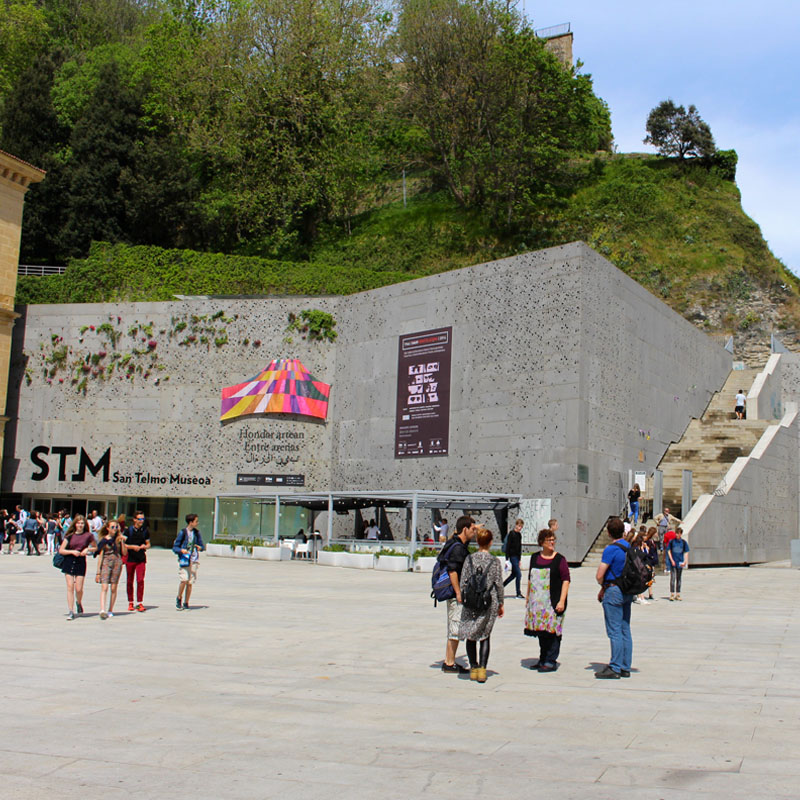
[637, 601]
[70, 616]
[625, 673]
[454, 668]
[607, 674]
[520, 596]
[80, 608]
[185, 606]
[140, 607]
[178, 603]
[548, 667]
[645, 602]
[671, 597]
[481, 675]
[103, 615]
[110, 614]
[677, 597]
[130, 606]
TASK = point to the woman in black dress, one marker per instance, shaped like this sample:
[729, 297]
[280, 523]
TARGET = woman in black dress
[78, 541]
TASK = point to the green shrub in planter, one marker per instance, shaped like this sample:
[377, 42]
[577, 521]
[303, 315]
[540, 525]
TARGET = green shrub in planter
[426, 552]
[335, 548]
[388, 552]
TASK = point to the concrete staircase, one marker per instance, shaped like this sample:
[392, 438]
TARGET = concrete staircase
[592, 558]
[711, 444]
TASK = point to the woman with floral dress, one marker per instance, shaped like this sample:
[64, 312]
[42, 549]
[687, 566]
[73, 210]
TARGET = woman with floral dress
[546, 601]
[476, 626]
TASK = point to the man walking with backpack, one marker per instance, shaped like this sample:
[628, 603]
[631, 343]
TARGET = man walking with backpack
[616, 603]
[454, 554]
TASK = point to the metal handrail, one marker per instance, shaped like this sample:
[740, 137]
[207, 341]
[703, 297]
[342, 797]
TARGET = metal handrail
[554, 30]
[39, 270]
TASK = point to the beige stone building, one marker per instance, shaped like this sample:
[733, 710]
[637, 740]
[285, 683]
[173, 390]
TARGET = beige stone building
[15, 178]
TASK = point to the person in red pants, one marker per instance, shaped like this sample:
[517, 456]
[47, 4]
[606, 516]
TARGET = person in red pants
[137, 540]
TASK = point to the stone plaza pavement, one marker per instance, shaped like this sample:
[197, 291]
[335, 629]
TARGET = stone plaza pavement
[291, 680]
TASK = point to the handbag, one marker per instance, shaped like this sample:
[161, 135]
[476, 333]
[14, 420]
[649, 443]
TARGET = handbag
[58, 560]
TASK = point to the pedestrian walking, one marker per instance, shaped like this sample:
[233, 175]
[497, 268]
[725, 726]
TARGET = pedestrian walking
[633, 502]
[482, 603]
[52, 527]
[77, 544]
[11, 533]
[546, 601]
[677, 553]
[512, 547]
[137, 540]
[187, 547]
[111, 551]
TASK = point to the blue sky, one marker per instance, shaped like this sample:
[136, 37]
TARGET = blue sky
[733, 60]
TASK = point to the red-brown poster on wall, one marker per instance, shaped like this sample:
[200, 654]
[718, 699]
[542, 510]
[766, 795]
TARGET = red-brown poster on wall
[422, 425]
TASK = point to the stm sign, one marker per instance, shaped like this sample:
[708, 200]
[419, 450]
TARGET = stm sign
[85, 463]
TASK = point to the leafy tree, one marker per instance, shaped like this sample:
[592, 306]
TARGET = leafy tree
[502, 114]
[674, 131]
[23, 31]
[31, 130]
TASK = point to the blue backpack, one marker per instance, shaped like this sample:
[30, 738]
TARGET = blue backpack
[441, 585]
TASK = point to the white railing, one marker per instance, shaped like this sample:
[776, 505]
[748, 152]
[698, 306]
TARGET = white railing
[39, 271]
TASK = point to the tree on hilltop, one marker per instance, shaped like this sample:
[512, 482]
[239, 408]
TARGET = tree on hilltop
[674, 131]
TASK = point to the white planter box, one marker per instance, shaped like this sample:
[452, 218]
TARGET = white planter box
[271, 553]
[241, 552]
[330, 558]
[358, 560]
[222, 550]
[425, 564]
[392, 563]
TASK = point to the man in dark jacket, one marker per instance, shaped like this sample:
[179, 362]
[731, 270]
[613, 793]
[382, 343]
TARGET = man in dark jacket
[455, 555]
[513, 551]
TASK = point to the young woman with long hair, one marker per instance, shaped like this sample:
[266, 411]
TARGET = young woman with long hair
[78, 542]
[111, 549]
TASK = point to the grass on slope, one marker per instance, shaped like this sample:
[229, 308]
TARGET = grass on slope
[679, 230]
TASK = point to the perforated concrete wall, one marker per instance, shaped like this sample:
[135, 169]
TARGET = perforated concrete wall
[164, 421]
[559, 360]
[562, 368]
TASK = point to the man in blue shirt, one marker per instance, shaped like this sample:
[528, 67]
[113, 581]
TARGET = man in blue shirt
[616, 605]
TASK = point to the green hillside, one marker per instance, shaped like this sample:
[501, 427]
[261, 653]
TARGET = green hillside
[678, 229]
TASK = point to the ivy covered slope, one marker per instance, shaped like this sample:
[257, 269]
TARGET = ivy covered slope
[126, 273]
[678, 229]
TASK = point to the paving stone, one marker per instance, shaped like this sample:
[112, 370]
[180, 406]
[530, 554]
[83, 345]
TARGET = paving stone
[291, 680]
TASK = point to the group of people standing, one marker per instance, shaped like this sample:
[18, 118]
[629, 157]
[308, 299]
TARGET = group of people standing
[548, 589]
[545, 600]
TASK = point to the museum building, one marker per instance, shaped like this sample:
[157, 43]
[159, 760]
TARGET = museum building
[536, 384]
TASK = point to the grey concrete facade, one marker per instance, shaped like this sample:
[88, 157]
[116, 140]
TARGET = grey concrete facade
[547, 349]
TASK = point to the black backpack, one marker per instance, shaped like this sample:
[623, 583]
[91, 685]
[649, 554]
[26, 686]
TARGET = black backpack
[441, 585]
[477, 596]
[637, 574]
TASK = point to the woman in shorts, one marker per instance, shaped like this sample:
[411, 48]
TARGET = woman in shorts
[111, 549]
[78, 541]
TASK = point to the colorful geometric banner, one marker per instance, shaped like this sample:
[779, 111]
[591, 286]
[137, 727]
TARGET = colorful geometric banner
[284, 387]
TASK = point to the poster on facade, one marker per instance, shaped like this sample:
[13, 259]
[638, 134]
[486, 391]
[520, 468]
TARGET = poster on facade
[422, 423]
[536, 514]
